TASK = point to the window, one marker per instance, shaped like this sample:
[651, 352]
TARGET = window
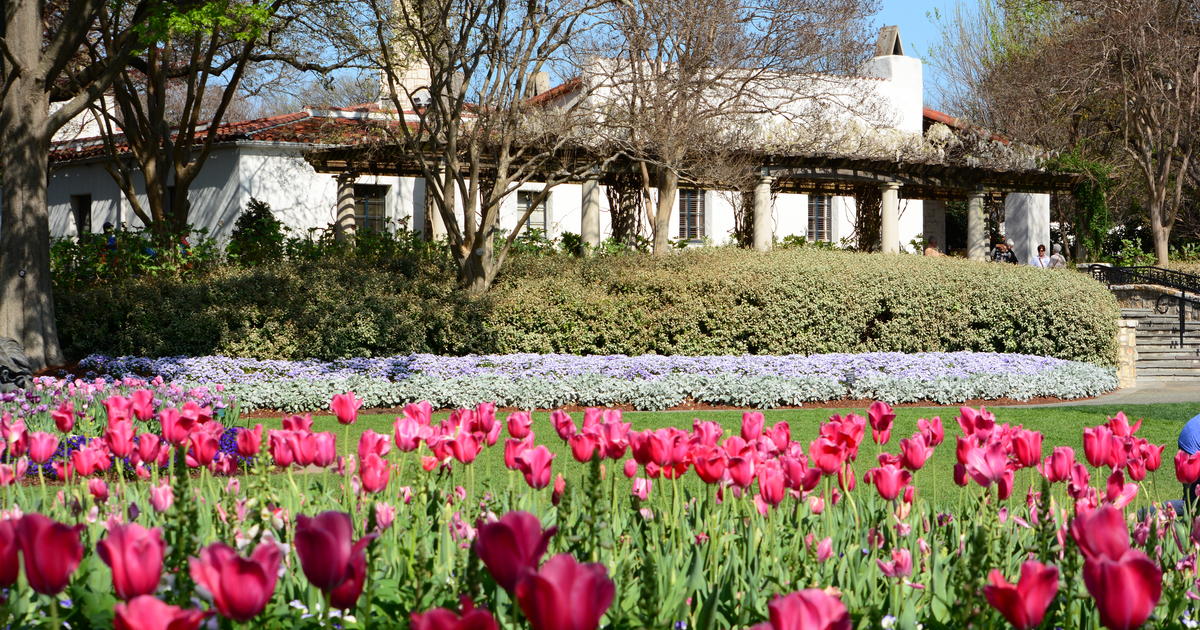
[370, 207]
[691, 214]
[819, 220]
[81, 207]
[537, 218]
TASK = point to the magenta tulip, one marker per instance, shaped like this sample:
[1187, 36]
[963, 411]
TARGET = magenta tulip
[1027, 447]
[345, 407]
[135, 555]
[326, 546]
[889, 480]
[932, 430]
[535, 464]
[914, 452]
[240, 587]
[1126, 589]
[148, 613]
[512, 547]
[118, 409]
[752, 425]
[1097, 444]
[880, 415]
[565, 595]
[249, 441]
[1023, 604]
[10, 564]
[470, 618]
[408, 433]
[42, 446]
[519, 423]
[374, 473]
[204, 447]
[64, 417]
[1057, 465]
[1187, 467]
[141, 402]
[52, 552]
[119, 437]
[810, 609]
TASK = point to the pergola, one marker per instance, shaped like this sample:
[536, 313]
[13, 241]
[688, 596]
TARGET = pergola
[1025, 193]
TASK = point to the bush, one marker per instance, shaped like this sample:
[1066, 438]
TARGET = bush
[717, 301]
[257, 235]
[799, 301]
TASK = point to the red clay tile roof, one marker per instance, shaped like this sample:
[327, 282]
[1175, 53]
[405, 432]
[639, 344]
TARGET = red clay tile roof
[934, 116]
[298, 127]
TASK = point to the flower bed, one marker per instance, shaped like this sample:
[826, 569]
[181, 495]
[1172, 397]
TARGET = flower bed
[649, 382]
[705, 530]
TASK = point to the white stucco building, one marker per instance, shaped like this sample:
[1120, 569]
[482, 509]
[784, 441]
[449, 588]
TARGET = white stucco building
[264, 159]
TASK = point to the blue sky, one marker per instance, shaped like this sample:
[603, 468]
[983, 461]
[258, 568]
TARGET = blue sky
[917, 30]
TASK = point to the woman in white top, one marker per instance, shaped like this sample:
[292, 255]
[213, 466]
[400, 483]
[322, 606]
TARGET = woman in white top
[1041, 261]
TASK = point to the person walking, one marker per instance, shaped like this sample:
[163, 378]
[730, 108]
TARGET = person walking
[1057, 260]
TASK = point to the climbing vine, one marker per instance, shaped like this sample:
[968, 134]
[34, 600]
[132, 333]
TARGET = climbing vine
[1092, 219]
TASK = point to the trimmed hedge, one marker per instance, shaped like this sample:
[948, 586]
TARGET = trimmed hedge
[698, 302]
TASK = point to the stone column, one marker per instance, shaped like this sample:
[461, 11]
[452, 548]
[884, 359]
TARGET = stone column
[764, 235]
[343, 225]
[977, 241]
[589, 228]
[933, 226]
[1127, 354]
[1027, 223]
[889, 226]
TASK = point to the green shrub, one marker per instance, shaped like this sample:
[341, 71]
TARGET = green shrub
[802, 300]
[696, 302]
[257, 235]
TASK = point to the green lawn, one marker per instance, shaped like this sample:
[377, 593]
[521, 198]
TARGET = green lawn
[1060, 426]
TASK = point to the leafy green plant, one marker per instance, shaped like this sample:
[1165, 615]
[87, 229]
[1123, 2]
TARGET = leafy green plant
[257, 235]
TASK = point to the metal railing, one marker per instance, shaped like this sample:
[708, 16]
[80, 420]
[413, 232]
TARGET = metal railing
[1188, 286]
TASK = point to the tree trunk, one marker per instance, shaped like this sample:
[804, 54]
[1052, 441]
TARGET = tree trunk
[26, 299]
[668, 185]
[1160, 232]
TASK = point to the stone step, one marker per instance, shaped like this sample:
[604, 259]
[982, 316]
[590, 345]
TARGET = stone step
[1167, 374]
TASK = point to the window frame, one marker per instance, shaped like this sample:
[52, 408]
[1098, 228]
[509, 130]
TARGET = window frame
[524, 200]
[820, 210]
[692, 214]
[365, 201]
[83, 220]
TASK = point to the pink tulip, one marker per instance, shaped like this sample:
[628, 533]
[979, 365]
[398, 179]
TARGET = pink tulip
[565, 595]
[408, 433]
[809, 609]
[752, 425]
[118, 409]
[10, 564]
[372, 442]
[146, 612]
[1027, 447]
[240, 587]
[175, 427]
[1120, 427]
[881, 416]
[469, 618]
[298, 422]
[149, 448]
[914, 452]
[204, 447]
[513, 449]
[119, 437]
[519, 423]
[249, 441]
[976, 423]
[987, 465]
[42, 446]
[331, 559]
[346, 407]
[135, 555]
[1187, 467]
[827, 456]
[320, 449]
[141, 402]
[374, 473]
[535, 465]
[52, 552]
[15, 434]
[899, 566]
[465, 448]
[931, 430]
[583, 447]
[64, 417]
[98, 489]
[563, 424]
[1057, 465]
[641, 488]
[709, 464]
[1126, 589]
[824, 549]
[888, 480]
[162, 497]
[512, 547]
[1097, 444]
[1023, 604]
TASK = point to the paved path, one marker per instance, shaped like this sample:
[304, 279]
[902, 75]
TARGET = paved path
[1146, 393]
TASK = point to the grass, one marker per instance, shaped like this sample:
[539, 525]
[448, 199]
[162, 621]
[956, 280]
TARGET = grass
[1061, 426]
